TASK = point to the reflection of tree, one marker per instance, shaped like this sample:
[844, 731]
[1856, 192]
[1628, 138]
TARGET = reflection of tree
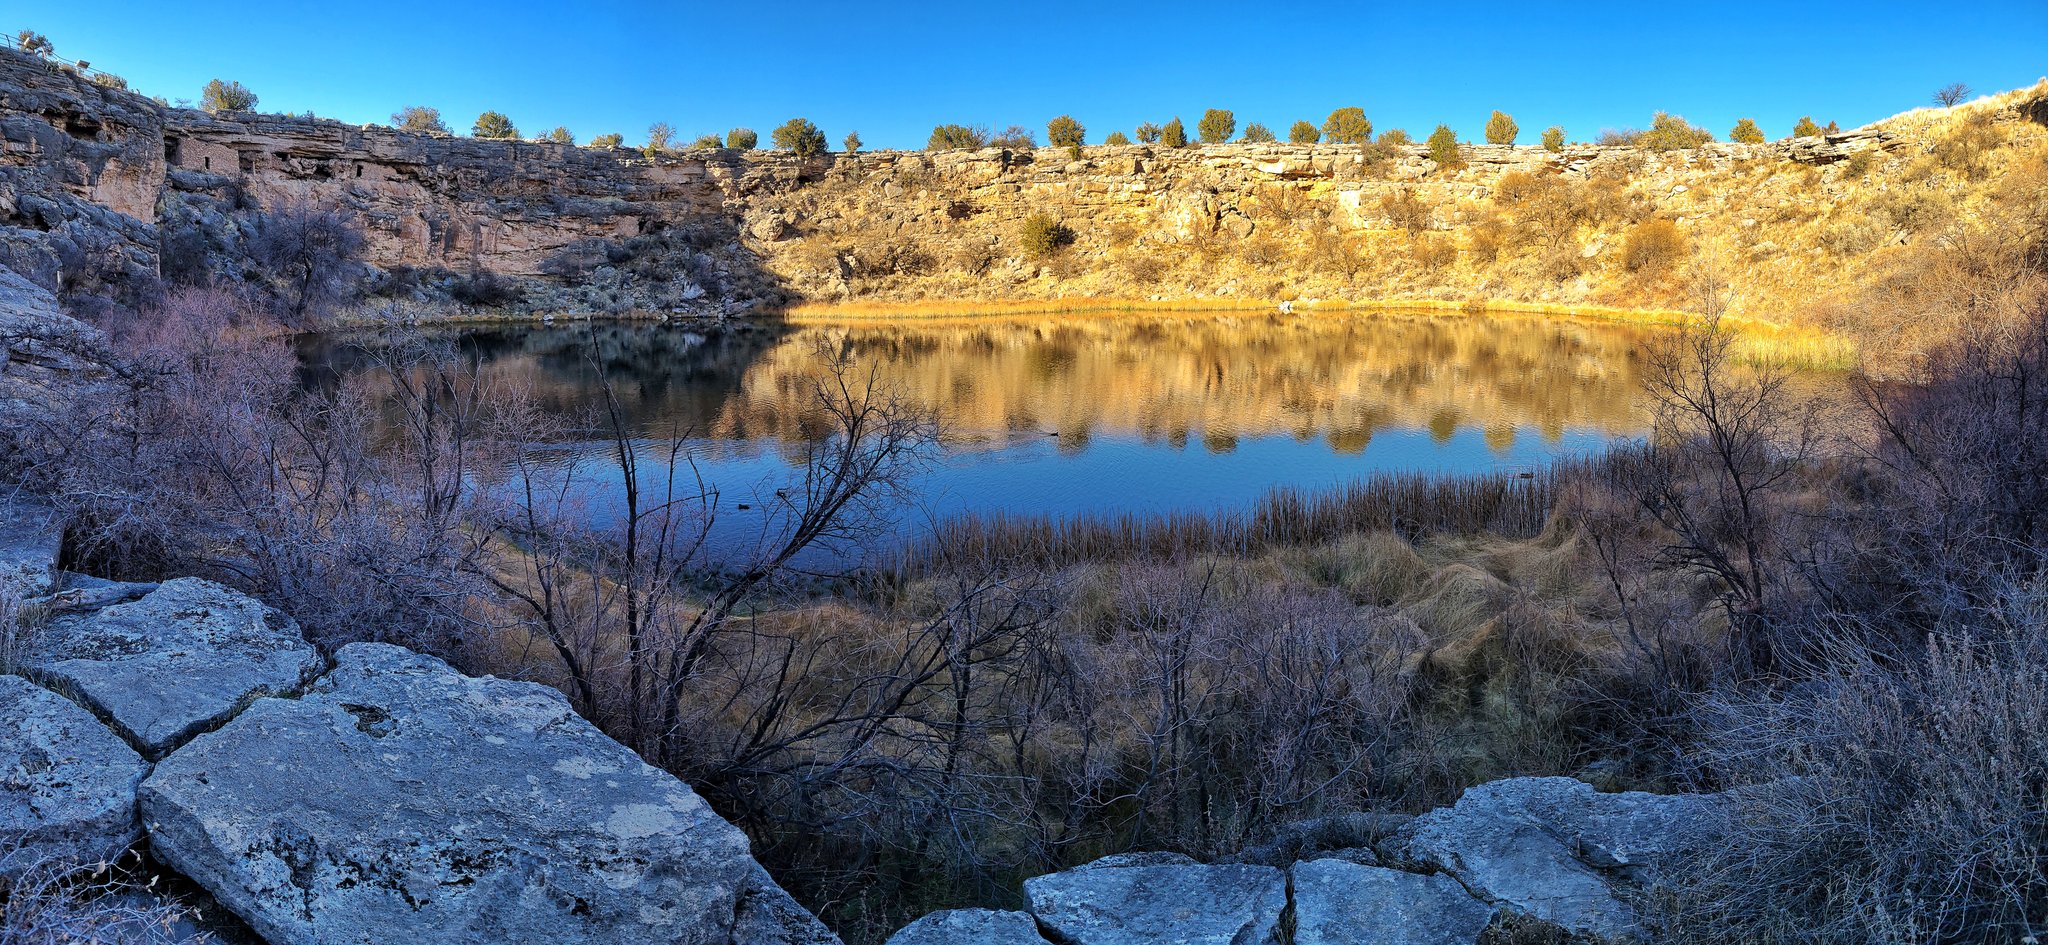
[1165, 379]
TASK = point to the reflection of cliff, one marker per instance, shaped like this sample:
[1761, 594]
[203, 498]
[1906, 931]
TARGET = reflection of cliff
[1215, 378]
[1173, 379]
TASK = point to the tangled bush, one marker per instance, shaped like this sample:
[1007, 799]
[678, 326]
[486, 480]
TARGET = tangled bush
[220, 96]
[957, 137]
[1652, 246]
[798, 136]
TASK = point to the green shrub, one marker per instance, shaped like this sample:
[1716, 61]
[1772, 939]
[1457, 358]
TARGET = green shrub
[743, 139]
[1347, 126]
[1216, 126]
[706, 143]
[1746, 132]
[1117, 138]
[1174, 135]
[1670, 132]
[1043, 236]
[1149, 133]
[561, 135]
[109, 80]
[851, 142]
[613, 140]
[1553, 139]
[799, 137]
[1806, 128]
[493, 125]
[1443, 147]
[660, 137]
[219, 96]
[1258, 133]
[1501, 128]
[956, 137]
[419, 119]
[1396, 138]
[1065, 132]
[1304, 132]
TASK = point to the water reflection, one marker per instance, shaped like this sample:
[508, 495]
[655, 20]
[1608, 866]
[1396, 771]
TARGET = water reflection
[1062, 414]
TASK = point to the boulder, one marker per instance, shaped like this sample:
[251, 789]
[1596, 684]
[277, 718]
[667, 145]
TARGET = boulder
[1187, 903]
[30, 539]
[180, 660]
[1337, 902]
[401, 801]
[67, 784]
[970, 927]
[1553, 848]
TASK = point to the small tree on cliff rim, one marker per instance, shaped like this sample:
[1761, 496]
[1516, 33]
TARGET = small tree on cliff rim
[612, 140]
[1746, 132]
[1148, 133]
[1443, 147]
[220, 96]
[562, 135]
[1348, 126]
[1256, 133]
[1553, 139]
[798, 136]
[1174, 135]
[851, 142]
[659, 138]
[1303, 132]
[420, 120]
[742, 139]
[494, 125]
[1501, 128]
[1948, 96]
[1116, 138]
[957, 137]
[1216, 126]
[1806, 128]
[1065, 132]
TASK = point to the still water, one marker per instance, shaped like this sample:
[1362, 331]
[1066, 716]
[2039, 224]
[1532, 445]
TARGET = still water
[1064, 415]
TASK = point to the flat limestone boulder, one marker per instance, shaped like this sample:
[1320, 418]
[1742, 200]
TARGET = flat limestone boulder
[1337, 902]
[1553, 848]
[970, 927]
[1184, 903]
[67, 784]
[178, 661]
[401, 801]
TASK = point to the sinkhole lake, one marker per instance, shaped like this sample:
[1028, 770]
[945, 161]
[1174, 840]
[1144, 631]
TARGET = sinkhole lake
[1060, 415]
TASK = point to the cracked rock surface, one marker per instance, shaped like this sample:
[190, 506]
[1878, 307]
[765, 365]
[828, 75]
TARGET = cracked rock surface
[1109, 903]
[182, 659]
[67, 784]
[401, 801]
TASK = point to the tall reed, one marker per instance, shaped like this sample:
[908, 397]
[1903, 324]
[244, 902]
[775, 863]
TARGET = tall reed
[1510, 504]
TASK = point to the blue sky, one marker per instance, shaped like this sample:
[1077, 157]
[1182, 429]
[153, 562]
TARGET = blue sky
[893, 70]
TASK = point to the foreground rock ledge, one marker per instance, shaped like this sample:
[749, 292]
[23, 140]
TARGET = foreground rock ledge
[181, 660]
[400, 801]
[67, 785]
[1127, 900]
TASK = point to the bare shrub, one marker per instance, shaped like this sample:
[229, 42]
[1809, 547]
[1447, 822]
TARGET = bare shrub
[56, 902]
[311, 256]
[1654, 246]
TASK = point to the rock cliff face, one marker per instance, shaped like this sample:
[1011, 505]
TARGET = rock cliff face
[102, 190]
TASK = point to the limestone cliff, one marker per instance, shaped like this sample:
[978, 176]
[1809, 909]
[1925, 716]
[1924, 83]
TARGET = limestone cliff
[100, 189]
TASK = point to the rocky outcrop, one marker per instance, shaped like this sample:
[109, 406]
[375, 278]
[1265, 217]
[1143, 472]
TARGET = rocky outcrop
[29, 544]
[46, 357]
[1545, 855]
[182, 659]
[67, 785]
[398, 800]
[1553, 848]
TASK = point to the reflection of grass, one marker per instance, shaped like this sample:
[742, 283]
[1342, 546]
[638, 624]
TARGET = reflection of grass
[1761, 341]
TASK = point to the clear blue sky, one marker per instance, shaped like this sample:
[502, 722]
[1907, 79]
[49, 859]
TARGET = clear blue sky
[892, 70]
